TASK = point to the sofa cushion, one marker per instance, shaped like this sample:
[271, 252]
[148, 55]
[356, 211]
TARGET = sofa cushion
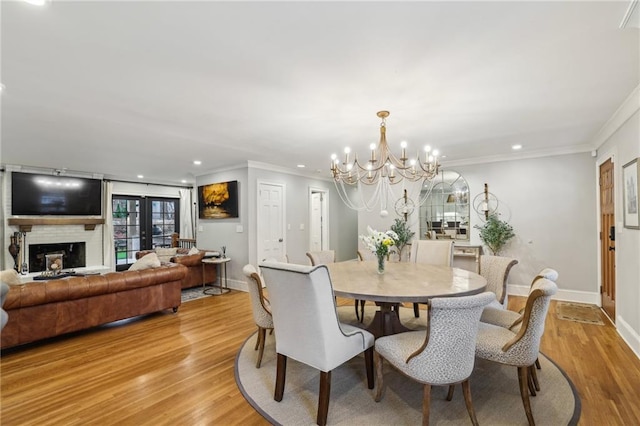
[10, 276]
[148, 261]
[193, 250]
[164, 254]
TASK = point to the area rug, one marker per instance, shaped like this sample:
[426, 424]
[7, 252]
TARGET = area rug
[192, 294]
[495, 393]
[579, 312]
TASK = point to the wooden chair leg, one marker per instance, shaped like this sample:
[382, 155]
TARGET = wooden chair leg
[257, 341]
[426, 404]
[450, 393]
[323, 398]
[262, 336]
[538, 364]
[524, 394]
[357, 313]
[378, 362]
[532, 389]
[362, 302]
[534, 377]
[416, 310]
[281, 372]
[466, 390]
[368, 363]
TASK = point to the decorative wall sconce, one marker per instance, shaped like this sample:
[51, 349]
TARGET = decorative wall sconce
[485, 203]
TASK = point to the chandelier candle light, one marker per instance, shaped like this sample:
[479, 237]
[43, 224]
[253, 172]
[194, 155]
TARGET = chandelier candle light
[381, 170]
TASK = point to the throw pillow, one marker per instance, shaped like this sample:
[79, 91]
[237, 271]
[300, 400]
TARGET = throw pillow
[193, 251]
[10, 276]
[146, 262]
[165, 254]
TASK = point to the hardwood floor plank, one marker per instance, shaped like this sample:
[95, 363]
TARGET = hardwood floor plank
[179, 369]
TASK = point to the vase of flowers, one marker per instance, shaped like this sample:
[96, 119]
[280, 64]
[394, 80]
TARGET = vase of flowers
[379, 244]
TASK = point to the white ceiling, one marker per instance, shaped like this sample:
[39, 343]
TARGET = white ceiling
[127, 88]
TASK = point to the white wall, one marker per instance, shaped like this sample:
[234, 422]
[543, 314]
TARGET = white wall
[242, 247]
[622, 141]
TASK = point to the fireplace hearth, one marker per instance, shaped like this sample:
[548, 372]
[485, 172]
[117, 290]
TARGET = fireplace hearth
[73, 255]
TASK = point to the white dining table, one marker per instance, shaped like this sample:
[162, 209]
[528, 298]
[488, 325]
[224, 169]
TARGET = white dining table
[401, 282]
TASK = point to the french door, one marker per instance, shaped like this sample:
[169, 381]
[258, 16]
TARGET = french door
[142, 223]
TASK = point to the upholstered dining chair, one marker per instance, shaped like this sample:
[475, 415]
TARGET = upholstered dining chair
[511, 320]
[431, 252]
[260, 307]
[444, 354]
[321, 257]
[307, 327]
[521, 349]
[495, 269]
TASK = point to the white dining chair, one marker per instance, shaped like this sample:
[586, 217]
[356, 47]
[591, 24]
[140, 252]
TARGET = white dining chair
[321, 257]
[431, 252]
[443, 355]
[307, 328]
[495, 269]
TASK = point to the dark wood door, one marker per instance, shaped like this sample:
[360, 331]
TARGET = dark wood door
[607, 239]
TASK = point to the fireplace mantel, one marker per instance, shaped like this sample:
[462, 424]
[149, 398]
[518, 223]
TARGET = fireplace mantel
[25, 224]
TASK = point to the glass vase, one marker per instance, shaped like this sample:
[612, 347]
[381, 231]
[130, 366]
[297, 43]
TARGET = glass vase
[381, 259]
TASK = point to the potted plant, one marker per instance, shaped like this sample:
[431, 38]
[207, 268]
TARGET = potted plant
[404, 233]
[495, 233]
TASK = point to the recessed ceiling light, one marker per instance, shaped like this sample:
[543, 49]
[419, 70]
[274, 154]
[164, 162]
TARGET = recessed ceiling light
[516, 147]
[36, 2]
[1, 87]
[443, 156]
[140, 176]
[183, 181]
[197, 162]
[301, 166]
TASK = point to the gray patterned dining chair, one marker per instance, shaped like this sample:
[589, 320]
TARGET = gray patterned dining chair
[443, 355]
[260, 307]
[431, 252]
[521, 349]
[512, 320]
[307, 327]
[495, 269]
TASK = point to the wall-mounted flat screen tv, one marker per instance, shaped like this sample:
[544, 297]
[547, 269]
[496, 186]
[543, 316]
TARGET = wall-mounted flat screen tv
[34, 194]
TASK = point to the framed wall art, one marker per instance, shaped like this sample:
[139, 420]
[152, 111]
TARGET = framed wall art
[218, 200]
[630, 194]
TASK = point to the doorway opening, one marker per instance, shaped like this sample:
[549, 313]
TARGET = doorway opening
[318, 219]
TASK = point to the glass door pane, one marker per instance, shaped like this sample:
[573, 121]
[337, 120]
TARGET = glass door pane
[126, 230]
[163, 221]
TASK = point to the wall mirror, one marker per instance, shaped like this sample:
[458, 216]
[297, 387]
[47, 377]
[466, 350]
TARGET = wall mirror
[445, 213]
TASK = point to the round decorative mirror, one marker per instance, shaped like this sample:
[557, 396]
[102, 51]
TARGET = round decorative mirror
[445, 213]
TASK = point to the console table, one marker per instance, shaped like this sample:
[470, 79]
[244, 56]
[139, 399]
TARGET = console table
[467, 256]
[221, 288]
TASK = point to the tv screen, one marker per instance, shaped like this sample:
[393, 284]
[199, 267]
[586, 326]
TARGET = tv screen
[33, 194]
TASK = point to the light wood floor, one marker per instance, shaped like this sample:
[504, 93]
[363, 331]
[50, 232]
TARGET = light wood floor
[179, 369]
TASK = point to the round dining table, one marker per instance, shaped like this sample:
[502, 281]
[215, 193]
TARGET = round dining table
[401, 282]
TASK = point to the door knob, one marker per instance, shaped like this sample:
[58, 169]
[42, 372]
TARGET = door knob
[280, 240]
[612, 249]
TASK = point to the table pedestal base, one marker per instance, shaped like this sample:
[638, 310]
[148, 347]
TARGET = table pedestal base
[386, 321]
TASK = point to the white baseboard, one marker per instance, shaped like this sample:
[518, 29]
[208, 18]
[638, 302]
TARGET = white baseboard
[238, 285]
[566, 295]
[628, 334]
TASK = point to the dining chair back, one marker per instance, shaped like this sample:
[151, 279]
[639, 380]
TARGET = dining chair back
[321, 257]
[260, 307]
[521, 348]
[444, 354]
[307, 328]
[495, 269]
[432, 252]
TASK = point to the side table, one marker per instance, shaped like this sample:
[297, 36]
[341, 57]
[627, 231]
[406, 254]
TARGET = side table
[221, 288]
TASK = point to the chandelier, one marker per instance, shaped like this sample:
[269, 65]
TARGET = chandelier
[381, 172]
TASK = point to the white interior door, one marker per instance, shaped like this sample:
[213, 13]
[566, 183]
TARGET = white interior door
[271, 220]
[318, 221]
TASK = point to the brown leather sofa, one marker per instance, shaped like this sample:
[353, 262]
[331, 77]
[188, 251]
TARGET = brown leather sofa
[42, 309]
[195, 269]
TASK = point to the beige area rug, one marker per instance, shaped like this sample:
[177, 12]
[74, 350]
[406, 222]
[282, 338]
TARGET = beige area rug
[579, 312]
[494, 389]
[192, 293]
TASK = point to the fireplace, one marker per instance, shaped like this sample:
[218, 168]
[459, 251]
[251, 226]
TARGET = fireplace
[73, 255]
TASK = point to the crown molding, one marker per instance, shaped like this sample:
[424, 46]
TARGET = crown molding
[552, 152]
[629, 107]
[632, 12]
